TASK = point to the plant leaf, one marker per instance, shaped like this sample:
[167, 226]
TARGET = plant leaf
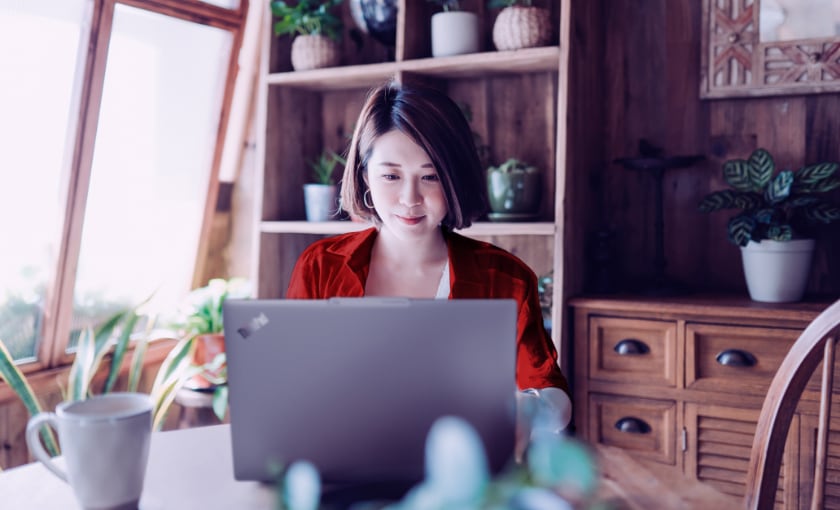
[761, 168]
[737, 173]
[780, 233]
[823, 213]
[764, 216]
[120, 348]
[748, 200]
[740, 229]
[827, 185]
[724, 199]
[220, 401]
[816, 173]
[779, 188]
[10, 373]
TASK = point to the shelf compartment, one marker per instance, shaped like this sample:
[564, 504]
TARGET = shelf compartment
[528, 60]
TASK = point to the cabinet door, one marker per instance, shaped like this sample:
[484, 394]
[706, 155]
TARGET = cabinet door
[807, 461]
[718, 446]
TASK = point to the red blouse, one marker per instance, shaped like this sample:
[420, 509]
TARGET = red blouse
[338, 267]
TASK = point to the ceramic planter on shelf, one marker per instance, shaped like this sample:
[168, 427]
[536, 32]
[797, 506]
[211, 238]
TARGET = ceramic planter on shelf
[454, 33]
[314, 52]
[321, 201]
[777, 271]
[513, 195]
[519, 27]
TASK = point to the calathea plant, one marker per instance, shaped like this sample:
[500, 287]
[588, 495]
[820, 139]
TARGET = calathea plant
[774, 205]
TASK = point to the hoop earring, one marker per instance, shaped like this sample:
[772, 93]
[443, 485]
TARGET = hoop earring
[366, 199]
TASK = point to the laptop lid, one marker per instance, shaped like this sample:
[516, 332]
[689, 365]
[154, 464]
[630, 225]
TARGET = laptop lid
[354, 384]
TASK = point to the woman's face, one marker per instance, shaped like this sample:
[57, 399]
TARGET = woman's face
[404, 186]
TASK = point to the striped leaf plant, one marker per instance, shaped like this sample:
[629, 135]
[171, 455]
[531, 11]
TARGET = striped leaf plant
[781, 205]
[113, 337]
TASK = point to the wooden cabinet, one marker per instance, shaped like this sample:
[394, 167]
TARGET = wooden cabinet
[681, 381]
[517, 107]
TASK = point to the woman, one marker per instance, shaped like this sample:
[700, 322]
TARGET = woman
[413, 171]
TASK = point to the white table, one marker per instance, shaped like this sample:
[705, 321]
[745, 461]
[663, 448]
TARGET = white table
[188, 469]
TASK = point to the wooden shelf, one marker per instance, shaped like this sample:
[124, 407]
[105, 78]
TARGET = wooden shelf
[528, 60]
[341, 227]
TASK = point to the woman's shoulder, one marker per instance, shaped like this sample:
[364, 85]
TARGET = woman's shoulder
[339, 245]
[486, 255]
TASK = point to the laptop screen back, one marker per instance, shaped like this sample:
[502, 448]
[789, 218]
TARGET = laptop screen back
[353, 385]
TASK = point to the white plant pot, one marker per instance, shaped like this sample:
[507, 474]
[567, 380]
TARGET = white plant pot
[454, 33]
[321, 202]
[777, 271]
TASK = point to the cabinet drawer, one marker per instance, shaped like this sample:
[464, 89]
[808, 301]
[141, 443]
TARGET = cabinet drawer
[734, 359]
[643, 426]
[633, 351]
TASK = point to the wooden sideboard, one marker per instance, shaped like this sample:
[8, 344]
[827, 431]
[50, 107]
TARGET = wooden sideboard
[680, 381]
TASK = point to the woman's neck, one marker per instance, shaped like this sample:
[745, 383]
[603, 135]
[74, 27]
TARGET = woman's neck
[422, 251]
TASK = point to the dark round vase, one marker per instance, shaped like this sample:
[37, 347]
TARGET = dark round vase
[380, 19]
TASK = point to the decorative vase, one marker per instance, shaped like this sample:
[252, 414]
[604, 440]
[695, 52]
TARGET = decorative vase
[777, 271]
[377, 18]
[314, 52]
[521, 27]
[454, 33]
[513, 194]
[207, 347]
[321, 201]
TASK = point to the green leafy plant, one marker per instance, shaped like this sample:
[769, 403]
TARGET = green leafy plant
[307, 18]
[202, 312]
[202, 315]
[513, 165]
[112, 336]
[324, 167]
[447, 5]
[778, 206]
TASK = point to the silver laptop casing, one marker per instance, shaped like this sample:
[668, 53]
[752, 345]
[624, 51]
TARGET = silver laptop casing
[353, 385]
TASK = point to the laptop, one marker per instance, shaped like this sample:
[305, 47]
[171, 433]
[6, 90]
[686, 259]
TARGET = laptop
[353, 385]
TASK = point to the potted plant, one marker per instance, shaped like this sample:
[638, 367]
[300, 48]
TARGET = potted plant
[520, 25]
[318, 31]
[513, 189]
[454, 32]
[321, 195]
[774, 228]
[202, 321]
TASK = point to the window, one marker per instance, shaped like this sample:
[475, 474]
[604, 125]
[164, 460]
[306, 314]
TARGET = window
[112, 128]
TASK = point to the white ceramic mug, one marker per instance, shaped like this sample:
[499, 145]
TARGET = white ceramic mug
[105, 444]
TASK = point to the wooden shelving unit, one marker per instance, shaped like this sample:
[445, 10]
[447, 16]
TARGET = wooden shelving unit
[517, 102]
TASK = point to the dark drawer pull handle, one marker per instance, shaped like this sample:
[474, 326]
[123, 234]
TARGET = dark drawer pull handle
[735, 358]
[630, 347]
[632, 426]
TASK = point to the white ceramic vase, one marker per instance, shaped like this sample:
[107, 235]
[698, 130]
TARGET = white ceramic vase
[777, 271]
[454, 33]
[321, 202]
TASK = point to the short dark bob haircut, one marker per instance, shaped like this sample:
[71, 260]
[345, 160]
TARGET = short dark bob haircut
[436, 124]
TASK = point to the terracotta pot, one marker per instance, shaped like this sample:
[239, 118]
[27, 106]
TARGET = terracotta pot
[207, 347]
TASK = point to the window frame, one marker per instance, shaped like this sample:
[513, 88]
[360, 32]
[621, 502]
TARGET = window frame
[81, 136]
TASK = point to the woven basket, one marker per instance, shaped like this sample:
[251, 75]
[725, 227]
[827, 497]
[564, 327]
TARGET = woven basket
[521, 27]
[314, 51]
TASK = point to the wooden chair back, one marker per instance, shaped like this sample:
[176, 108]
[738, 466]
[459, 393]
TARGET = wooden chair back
[816, 343]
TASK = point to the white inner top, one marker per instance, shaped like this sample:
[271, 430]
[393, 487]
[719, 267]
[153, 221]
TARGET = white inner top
[443, 286]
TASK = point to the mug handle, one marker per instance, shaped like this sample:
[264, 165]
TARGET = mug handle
[33, 440]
